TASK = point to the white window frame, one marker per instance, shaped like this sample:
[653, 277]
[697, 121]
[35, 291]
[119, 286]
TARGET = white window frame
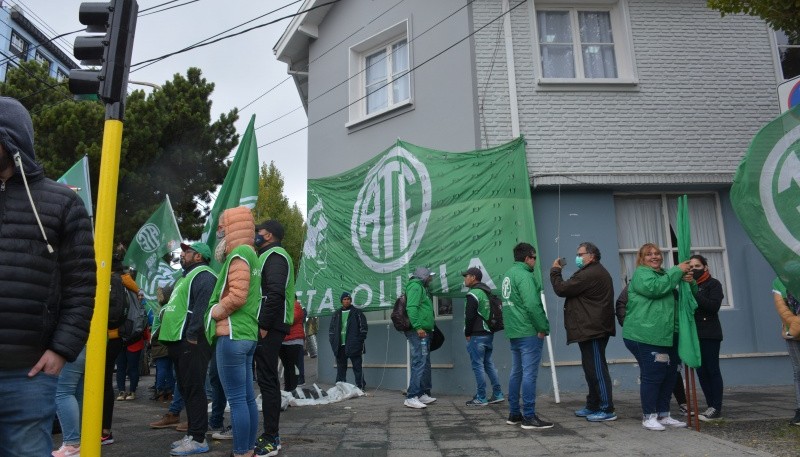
[623, 45]
[357, 66]
[15, 49]
[61, 75]
[41, 57]
[668, 251]
[776, 56]
[383, 316]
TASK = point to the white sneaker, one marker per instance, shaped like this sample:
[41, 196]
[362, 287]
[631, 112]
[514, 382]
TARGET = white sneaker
[670, 422]
[426, 399]
[414, 403]
[225, 434]
[180, 441]
[651, 422]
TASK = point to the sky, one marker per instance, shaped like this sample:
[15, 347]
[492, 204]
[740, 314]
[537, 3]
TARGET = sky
[242, 68]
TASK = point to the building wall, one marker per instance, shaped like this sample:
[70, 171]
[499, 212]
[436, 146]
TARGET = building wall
[7, 24]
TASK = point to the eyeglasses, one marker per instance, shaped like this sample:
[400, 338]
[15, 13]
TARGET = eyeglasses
[532, 256]
[581, 254]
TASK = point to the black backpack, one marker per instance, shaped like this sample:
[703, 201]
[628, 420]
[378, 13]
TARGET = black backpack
[495, 321]
[400, 315]
[132, 329]
[117, 303]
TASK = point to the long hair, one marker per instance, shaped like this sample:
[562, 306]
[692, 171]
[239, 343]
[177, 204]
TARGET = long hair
[643, 251]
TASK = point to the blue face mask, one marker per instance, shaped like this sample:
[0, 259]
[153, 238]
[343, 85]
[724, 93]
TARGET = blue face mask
[579, 261]
[259, 240]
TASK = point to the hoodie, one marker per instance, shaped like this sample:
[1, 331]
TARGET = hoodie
[47, 268]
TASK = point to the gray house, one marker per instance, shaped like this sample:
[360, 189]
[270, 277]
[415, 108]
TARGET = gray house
[625, 104]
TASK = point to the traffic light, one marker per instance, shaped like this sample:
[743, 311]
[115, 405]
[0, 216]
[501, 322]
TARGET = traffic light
[111, 51]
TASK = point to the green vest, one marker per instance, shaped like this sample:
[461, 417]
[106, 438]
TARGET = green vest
[483, 306]
[343, 335]
[173, 315]
[244, 321]
[288, 306]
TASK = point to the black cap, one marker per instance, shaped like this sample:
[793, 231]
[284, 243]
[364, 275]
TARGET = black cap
[474, 271]
[345, 295]
[272, 226]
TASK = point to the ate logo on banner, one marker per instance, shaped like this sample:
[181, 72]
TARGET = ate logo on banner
[396, 189]
[779, 189]
[149, 237]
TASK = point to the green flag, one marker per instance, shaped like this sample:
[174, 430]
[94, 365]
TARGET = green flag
[688, 344]
[157, 237]
[240, 187]
[766, 192]
[370, 227]
[77, 178]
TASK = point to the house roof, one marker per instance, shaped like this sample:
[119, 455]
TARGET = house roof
[292, 47]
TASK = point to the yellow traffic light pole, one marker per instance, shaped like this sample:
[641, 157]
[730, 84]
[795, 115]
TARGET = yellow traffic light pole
[94, 377]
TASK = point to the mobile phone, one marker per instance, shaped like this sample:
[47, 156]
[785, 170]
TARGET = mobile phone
[562, 261]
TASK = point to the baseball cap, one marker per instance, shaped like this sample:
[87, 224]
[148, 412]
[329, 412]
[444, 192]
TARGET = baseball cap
[422, 273]
[474, 271]
[272, 226]
[198, 247]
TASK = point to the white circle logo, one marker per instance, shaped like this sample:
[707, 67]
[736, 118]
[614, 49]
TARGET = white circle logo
[391, 211]
[786, 168]
[149, 237]
[506, 288]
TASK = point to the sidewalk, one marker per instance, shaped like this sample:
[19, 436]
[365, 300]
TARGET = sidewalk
[379, 425]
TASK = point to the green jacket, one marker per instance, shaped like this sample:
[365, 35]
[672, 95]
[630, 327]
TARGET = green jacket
[419, 305]
[523, 313]
[650, 313]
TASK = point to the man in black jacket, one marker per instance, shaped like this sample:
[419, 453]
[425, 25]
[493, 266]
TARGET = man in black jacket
[47, 286]
[347, 334]
[589, 320]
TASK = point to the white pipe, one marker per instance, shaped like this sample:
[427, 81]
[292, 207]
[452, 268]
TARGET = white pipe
[550, 355]
[512, 76]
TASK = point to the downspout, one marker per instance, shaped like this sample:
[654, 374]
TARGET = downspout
[511, 71]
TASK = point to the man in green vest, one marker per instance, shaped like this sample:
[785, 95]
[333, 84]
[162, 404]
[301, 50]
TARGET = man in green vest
[183, 332]
[275, 319]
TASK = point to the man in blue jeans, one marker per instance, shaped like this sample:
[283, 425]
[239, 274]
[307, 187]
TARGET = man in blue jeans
[47, 286]
[526, 326]
[480, 338]
[420, 313]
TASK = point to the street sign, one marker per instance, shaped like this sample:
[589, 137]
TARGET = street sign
[789, 93]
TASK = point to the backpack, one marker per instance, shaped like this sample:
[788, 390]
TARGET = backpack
[117, 304]
[495, 321]
[132, 329]
[400, 315]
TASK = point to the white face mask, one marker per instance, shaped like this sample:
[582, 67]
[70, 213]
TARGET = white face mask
[219, 251]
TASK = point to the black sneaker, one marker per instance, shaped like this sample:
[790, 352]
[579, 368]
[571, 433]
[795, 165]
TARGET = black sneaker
[534, 423]
[514, 419]
[267, 445]
[796, 419]
[710, 415]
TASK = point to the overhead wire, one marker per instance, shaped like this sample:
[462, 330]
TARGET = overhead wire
[166, 9]
[414, 68]
[26, 9]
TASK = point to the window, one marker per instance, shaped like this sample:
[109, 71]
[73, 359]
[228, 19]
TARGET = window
[587, 43]
[41, 58]
[442, 308]
[19, 47]
[379, 74]
[651, 219]
[788, 54]
[61, 75]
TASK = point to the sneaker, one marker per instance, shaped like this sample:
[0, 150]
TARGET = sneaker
[130, 396]
[710, 415]
[267, 445]
[121, 395]
[67, 450]
[476, 401]
[106, 439]
[166, 421]
[534, 423]
[651, 422]
[796, 419]
[684, 409]
[601, 416]
[514, 419]
[182, 427]
[667, 421]
[414, 403]
[497, 398]
[190, 447]
[426, 399]
[180, 441]
[585, 412]
[225, 434]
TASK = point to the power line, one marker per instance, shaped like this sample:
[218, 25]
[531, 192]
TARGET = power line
[157, 6]
[168, 8]
[32, 75]
[45, 25]
[389, 82]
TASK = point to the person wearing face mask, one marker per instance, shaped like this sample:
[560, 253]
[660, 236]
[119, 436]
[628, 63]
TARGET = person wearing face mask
[589, 321]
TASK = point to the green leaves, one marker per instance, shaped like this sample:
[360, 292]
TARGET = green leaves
[779, 14]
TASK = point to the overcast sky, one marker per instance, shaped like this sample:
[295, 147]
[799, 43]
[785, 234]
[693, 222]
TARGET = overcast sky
[242, 68]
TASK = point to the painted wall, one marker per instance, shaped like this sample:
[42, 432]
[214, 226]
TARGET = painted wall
[6, 25]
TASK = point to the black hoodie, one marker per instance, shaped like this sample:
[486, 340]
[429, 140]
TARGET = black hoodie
[46, 299]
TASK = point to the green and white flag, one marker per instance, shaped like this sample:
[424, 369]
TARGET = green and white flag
[766, 192]
[157, 237]
[77, 178]
[370, 227]
[240, 187]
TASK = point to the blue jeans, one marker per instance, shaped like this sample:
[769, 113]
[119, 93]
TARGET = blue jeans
[165, 377]
[69, 397]
[128, 364]
[526, 355]
[479, 348]
[794, 356]
[218, 399]
[235, 366]
[25, 426]
[657, 373]
[420, 382]
[176, 406]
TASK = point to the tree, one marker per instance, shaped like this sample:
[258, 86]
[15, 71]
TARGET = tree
[273, 204]
[170, 144]
[779, 14]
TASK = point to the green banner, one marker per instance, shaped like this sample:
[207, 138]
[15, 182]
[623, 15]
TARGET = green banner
[77, 178]
[370, 227]
[688, 344]
[766, 192]
[157, 237]
[240, 187]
